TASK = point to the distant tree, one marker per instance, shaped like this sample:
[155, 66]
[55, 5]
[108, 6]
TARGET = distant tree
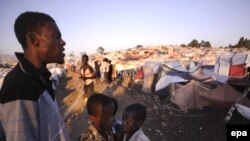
[194, 43]
[100, 50]
[183, 45]
[203, 43]
[241, 42]
[207, 44]
[139, 46]
[247, 45]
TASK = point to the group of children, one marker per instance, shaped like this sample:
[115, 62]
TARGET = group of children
[103, 126]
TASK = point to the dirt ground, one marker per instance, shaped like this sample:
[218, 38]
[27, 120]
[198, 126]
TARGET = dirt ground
[164, 121]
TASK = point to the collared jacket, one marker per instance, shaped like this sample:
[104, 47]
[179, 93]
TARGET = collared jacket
[28, 108]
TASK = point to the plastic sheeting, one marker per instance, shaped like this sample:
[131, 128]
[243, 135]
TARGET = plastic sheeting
[243, 110]
[176, 65]
[166, 80]
[150, 69]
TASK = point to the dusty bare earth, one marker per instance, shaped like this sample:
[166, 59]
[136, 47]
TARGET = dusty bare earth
[164, 121]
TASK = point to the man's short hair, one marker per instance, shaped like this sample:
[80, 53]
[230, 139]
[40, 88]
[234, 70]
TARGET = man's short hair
[29, 22]
[139, 111]
[96, 101]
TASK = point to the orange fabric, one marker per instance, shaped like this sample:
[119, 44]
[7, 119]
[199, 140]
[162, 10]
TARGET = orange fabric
[139, 74]
[237, 70]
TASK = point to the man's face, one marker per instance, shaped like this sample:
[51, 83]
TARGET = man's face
[51, 44]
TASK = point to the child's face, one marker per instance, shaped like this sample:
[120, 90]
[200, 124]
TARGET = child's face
[105, 120]
[129, 123]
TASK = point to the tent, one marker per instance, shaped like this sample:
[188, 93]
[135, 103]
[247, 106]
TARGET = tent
[139, 74]
[231, 64]
[221, 96]
[185, 96]
[161, 87]
[150, 70]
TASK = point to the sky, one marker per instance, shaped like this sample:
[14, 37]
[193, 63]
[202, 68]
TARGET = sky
[121, 24]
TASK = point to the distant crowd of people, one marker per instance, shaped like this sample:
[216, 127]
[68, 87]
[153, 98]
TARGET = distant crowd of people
[28, 107]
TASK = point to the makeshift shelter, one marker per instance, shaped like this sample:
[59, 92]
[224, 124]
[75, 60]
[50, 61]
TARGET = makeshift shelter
[162, 88]
[203, 73]
[231, 64]
[125, 69]
[150, 70]
[139, 75]
[177, 69]
[221, 96]
[242, 104]
[173, 72]
[185, 96]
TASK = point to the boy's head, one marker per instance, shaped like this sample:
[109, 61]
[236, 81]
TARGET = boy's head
[101, 112]
[133, 117]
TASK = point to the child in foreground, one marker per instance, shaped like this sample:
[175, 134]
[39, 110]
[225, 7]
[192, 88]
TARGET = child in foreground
[132, 119]
[101, 111]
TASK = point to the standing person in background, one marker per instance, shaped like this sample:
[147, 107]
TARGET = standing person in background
[29, 110]
[97, 71]
[110, 72]
[105, 70]
[88, 76]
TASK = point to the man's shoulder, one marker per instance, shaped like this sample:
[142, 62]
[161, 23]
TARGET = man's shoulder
[17, 85]
[11, 77]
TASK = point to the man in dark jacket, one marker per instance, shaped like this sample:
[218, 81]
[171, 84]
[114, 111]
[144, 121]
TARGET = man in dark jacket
[28, 109]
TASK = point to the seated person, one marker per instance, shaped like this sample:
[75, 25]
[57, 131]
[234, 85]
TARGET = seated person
[132, 119]
[101, 111]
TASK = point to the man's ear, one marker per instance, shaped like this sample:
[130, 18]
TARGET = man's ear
[33, 39]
